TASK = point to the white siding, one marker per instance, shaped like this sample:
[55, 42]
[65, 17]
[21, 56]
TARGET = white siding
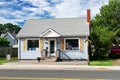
[72, 55]
[76, 54]
[27, 54]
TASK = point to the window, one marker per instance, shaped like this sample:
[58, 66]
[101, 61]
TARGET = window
[32, 44]
[72, 44]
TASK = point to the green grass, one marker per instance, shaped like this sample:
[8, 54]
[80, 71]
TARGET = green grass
[101, 63]
[3, 60]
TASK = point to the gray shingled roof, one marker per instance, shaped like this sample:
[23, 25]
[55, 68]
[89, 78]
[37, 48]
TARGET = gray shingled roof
[63, 26]
[12, 34]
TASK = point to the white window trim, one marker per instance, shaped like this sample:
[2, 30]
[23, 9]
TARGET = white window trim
[71, 38]
[31, 39]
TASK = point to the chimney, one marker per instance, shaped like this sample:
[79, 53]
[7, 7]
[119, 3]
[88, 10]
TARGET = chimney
[88, 16]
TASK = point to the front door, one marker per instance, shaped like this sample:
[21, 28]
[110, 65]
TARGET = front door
[52, 47]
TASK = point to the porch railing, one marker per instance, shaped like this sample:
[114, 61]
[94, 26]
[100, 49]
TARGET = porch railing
[58, 55]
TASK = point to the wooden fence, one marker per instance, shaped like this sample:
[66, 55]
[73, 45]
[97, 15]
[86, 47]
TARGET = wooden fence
[8, 50]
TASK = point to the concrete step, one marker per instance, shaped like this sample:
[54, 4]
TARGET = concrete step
[50, 59]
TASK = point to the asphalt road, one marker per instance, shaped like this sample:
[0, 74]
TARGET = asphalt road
[58, 75]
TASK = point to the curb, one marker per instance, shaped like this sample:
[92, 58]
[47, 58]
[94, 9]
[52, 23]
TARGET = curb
[59, 67]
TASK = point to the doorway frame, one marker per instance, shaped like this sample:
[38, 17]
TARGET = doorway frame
[52, 39]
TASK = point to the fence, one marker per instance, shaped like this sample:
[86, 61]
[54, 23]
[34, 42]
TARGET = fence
[8, 50]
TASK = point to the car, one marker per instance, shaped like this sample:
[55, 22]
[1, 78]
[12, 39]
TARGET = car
[115, 51]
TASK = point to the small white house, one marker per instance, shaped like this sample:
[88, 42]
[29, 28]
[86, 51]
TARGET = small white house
[68, 35]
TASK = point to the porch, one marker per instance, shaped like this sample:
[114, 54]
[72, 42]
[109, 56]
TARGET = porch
[64, 48]
[61, 58]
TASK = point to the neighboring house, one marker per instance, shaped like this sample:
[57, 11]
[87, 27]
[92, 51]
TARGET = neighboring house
[11, 37]
[68, 35]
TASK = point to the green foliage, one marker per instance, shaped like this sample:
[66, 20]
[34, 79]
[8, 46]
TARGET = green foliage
[109, 16]
[104, 29]
[4, 42]
[101, 63]
[101, 36]
[102, 39]
[3, 60]
[9, 27]
[1, 28]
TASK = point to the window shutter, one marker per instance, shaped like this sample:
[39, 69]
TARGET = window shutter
[24, 44]
[62, 44]
[41, 44]
[81, 44]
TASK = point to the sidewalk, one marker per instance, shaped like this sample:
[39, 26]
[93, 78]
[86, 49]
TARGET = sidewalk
[54, 66]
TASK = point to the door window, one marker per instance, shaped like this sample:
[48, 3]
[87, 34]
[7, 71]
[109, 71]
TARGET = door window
[52, 46]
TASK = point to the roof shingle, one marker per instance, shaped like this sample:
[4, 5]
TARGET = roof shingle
[63, 26]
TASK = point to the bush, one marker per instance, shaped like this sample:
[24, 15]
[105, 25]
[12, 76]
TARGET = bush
[4, 42]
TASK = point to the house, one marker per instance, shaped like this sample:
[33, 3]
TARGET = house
[11, 37]
[61, 37]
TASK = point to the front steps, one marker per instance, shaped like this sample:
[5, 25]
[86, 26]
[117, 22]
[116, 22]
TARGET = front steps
[49, 59]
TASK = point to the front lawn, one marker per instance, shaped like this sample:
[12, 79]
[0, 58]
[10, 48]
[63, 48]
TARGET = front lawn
[101, 63]
[3, 60]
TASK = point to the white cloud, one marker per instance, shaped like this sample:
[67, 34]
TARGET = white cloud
[77, 8]
[1, 3]
[40, 4]
[68, 8]
[14, 21]
[40, 7]
[63, 9]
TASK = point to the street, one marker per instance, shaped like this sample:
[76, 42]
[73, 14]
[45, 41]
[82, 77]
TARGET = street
[58, 75]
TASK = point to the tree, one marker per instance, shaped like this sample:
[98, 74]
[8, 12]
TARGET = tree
[4, 42]
[102, 39]
[9, 27]
[109, 16]
[1, 28]
[104, 29]
[15, 28]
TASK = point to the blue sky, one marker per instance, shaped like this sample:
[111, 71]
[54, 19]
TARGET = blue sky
[18, 11]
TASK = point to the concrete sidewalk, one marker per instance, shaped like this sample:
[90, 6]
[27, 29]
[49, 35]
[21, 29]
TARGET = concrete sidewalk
[54, 66]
